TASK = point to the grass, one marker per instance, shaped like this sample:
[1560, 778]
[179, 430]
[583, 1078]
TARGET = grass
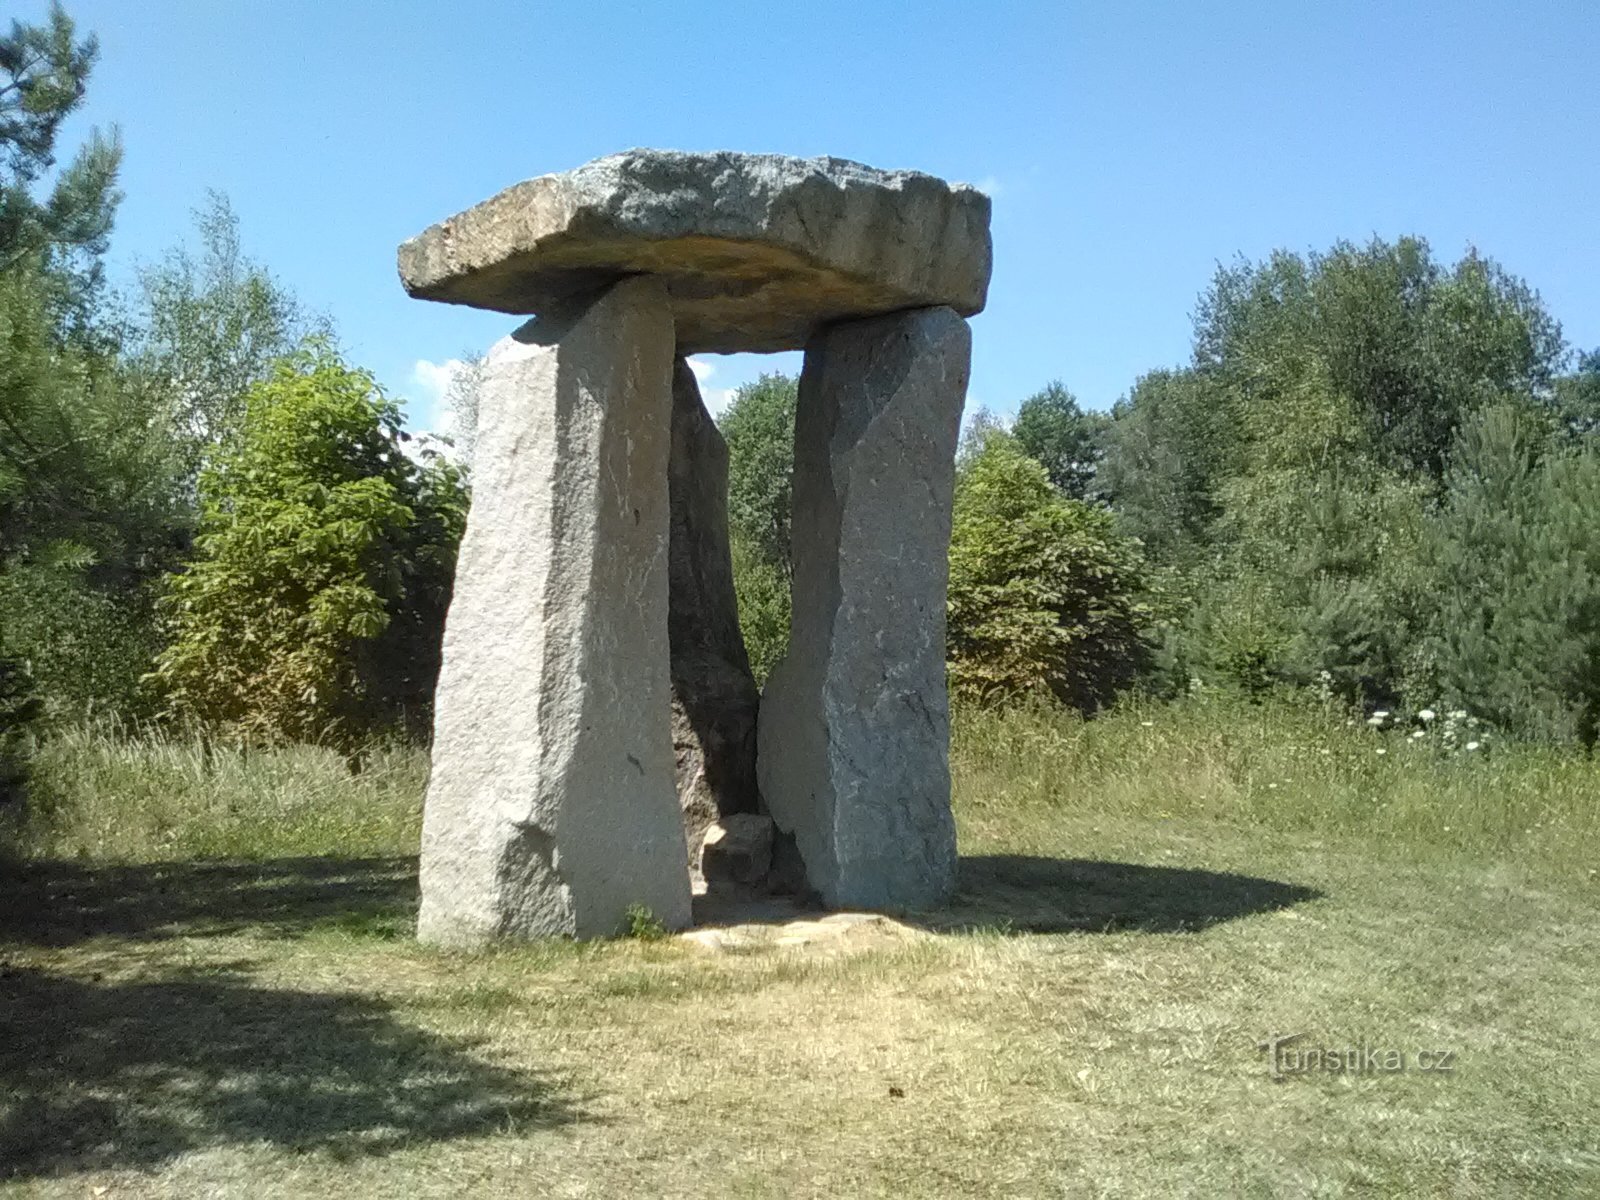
[209, 988]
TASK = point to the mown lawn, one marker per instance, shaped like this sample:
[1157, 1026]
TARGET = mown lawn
[1139, 911]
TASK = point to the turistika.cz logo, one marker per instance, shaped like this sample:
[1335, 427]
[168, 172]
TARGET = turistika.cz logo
[1287, 1057]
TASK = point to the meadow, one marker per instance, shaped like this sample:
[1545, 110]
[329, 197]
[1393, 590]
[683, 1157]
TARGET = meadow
[208, 986]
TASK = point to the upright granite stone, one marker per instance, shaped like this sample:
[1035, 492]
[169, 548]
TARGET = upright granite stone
[551, 808]
[756, 250]
[714, 694]
[853, 744]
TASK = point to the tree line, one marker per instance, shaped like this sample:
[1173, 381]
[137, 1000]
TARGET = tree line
[1373, 481]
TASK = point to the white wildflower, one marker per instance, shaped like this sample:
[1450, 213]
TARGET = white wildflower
[1426, 714]
[1473, 745]
[1381, 750]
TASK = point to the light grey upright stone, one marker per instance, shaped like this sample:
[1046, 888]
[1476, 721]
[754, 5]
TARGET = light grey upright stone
[551, 807]
[854, 728]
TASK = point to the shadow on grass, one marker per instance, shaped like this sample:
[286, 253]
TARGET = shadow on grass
[1030, 894]
[63, 903]
[100, 1075]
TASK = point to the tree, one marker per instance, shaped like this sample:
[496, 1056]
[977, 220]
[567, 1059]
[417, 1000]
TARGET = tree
[1577, 396]
[1517, 552]
[210, 326]
[762, 593]
[1045, 597]
[315, 607]
[1067, 441]
[759, 429]
[1413, 346]
[62, 235]
[1171, 444]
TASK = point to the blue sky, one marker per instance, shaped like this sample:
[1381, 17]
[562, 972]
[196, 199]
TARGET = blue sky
[1128, 146]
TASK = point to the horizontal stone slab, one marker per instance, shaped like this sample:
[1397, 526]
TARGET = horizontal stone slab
[756, 250]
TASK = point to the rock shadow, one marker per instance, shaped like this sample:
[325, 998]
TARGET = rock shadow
[1032, 894]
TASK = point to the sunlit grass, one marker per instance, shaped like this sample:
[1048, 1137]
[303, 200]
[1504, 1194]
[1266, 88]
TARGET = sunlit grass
[219, 995]
[1295, 768]
[101, 795]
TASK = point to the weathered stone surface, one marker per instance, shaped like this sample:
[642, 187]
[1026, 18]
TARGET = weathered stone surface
[737, 849]
[757, 250]
[853, 743]
[694, 793]
[714, 695]
[551, 806]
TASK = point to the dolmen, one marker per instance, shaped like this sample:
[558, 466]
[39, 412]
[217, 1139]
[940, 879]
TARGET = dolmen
[595, 698]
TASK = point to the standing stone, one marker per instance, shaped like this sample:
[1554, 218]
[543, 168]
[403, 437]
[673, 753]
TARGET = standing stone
[854, 724]
[714, 694]
[551, 807]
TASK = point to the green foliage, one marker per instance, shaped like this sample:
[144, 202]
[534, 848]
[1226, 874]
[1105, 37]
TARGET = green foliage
[644, 925]
[1287, 477]
[315, 606]
[759, 429]
[1067, 441]
[88, 648]
[1518, 558]
[1045, 597]
[61, 235]
[89, 508]
[19, 708]
[211, 325]
[1577, 397]
[764, 601]
[1170, 445]
[1412, 346]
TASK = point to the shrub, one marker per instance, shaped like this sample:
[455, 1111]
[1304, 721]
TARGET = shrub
[1044, 595]
[315, 607]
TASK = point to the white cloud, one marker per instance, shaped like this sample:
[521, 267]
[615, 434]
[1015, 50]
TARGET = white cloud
[990, 186]
[717, 399]
[431, 381]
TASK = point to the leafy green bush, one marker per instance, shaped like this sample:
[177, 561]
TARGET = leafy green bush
[1045, 596]
[315, 607]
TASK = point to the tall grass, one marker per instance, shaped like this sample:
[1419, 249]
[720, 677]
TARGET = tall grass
[98, 793]
[1295, 767]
